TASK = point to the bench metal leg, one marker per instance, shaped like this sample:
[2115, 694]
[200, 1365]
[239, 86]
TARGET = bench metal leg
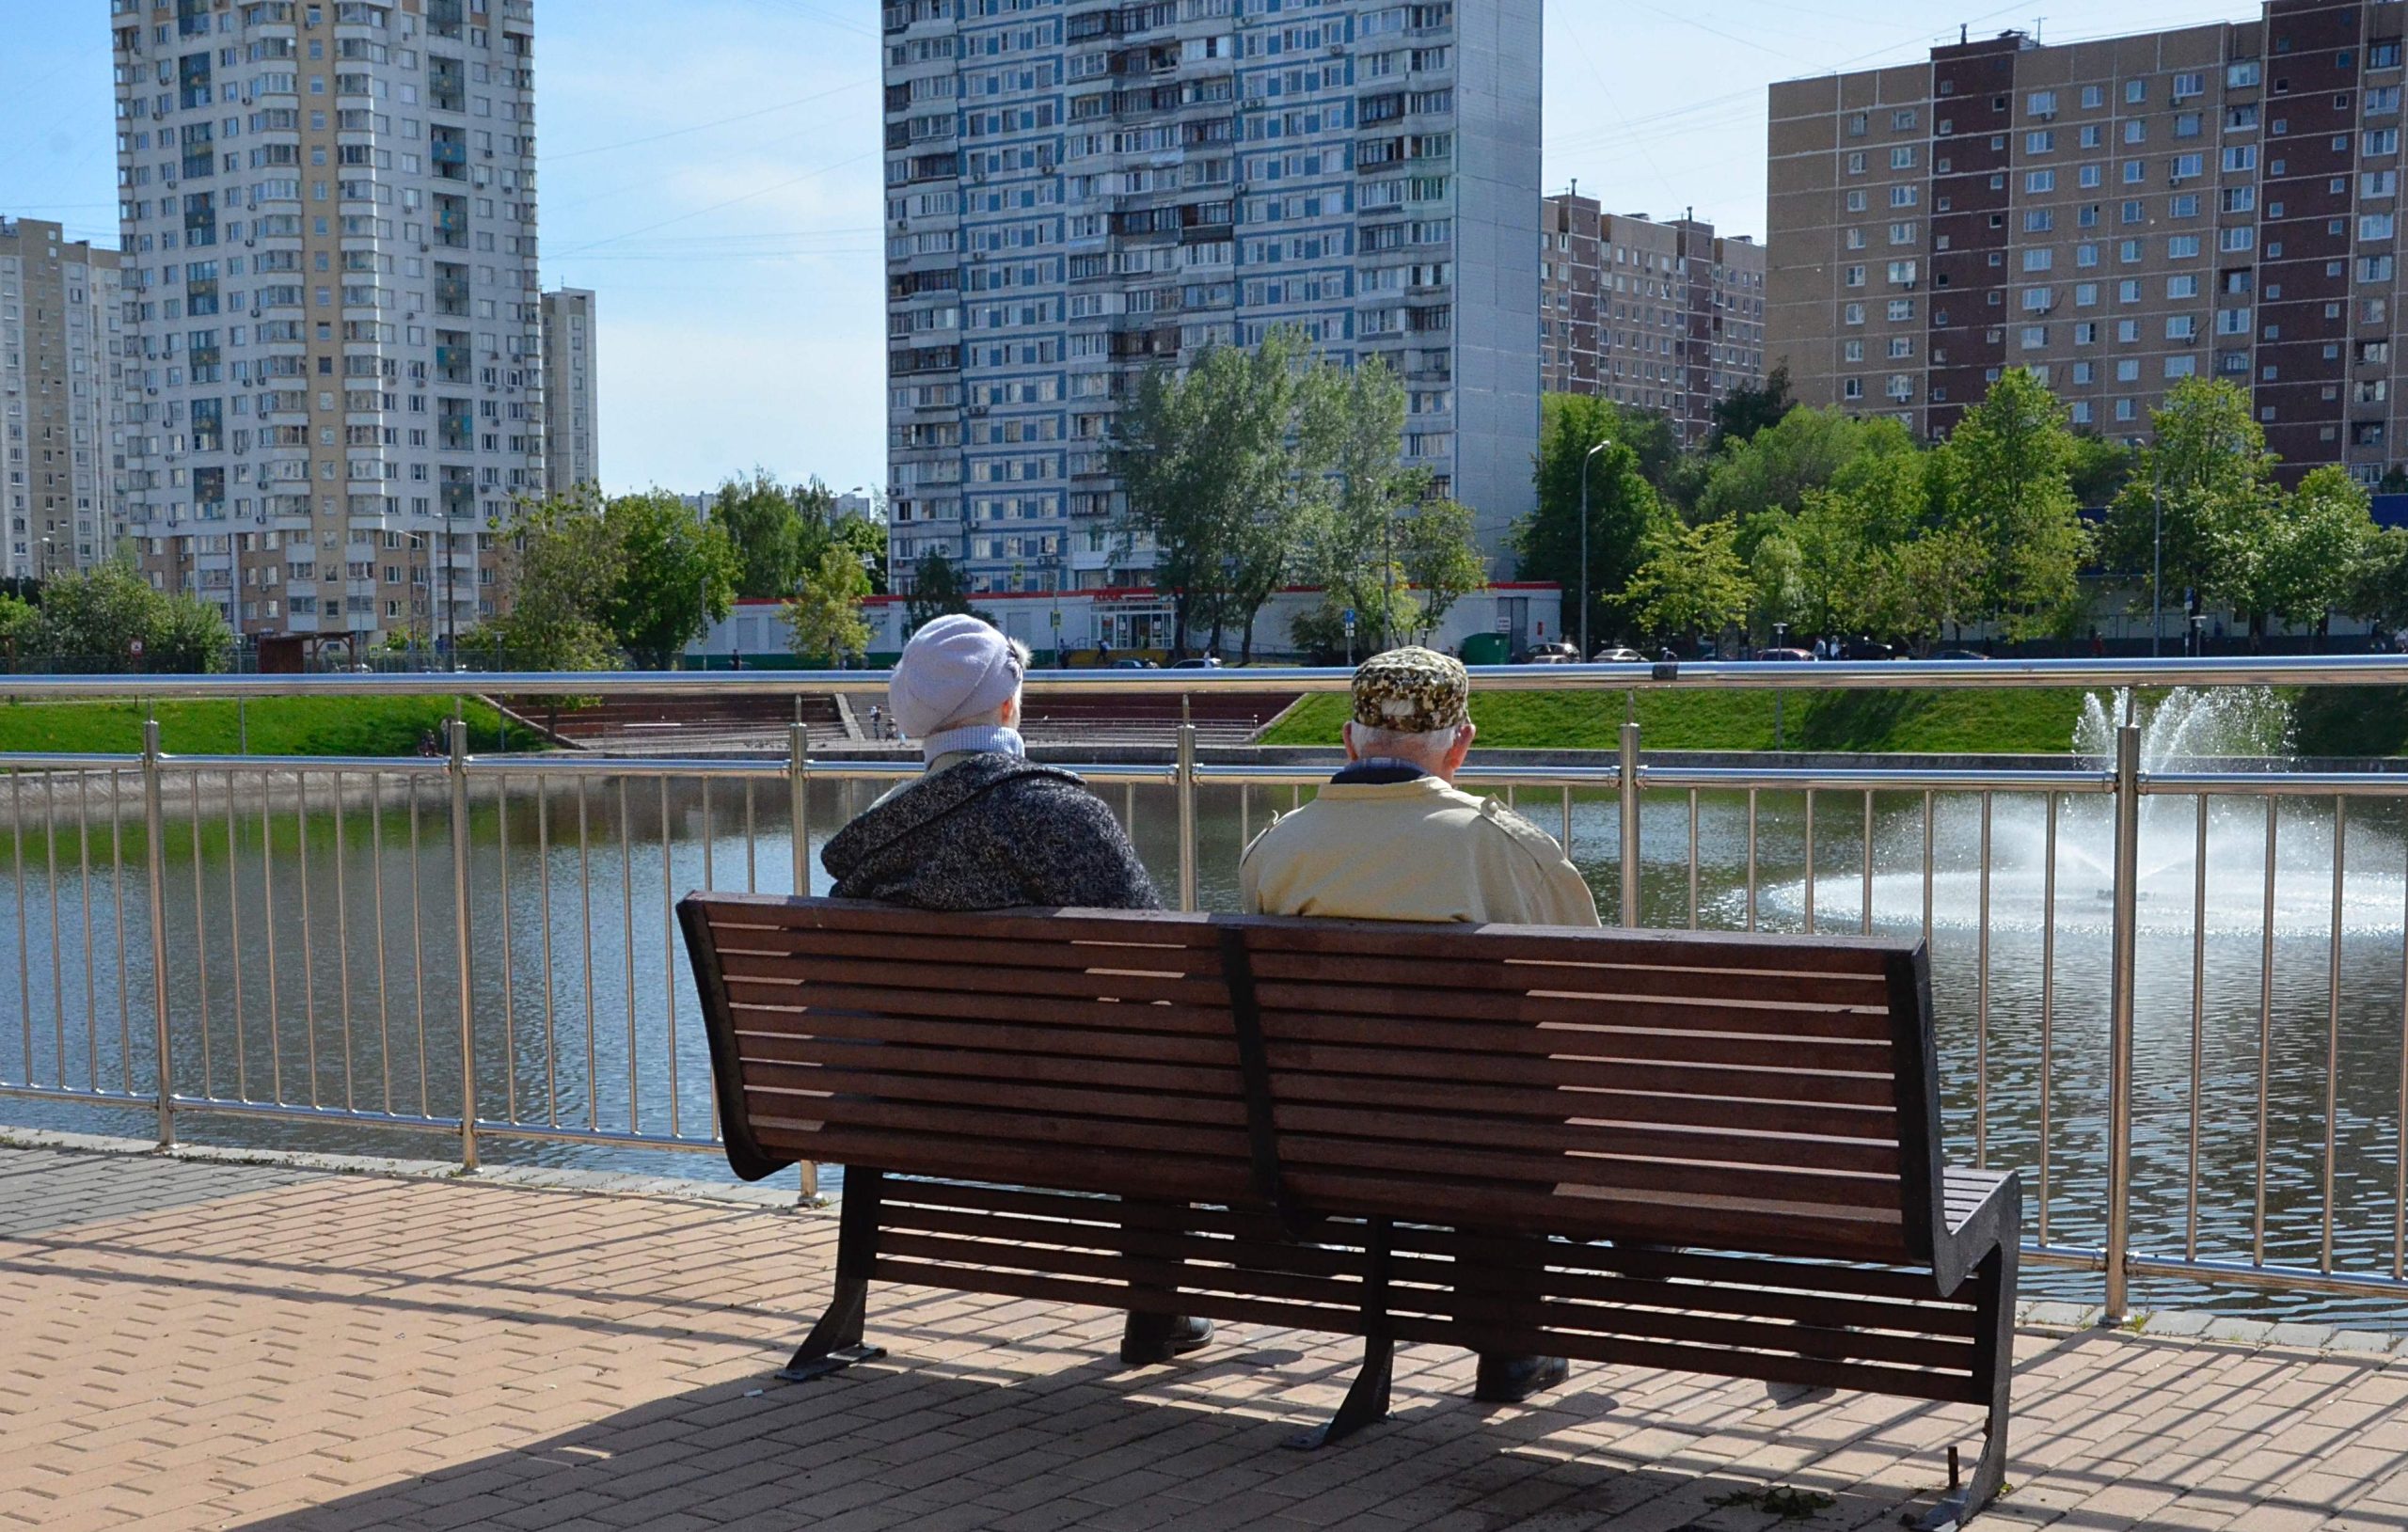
[1366, 1398]
[835, 1342]
[1995, 1295]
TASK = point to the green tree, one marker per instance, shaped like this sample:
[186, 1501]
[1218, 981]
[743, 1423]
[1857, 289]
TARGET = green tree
[19, 622]
[92, 620]
[2209, 465]
[1215, 468]
[677, 577]
[1806, 450]
[824, 618]
[1850, 534]
[865, 538]
[1693, 583]
[1623, 512]
[938, 590]
[2014, 543]
[2309, 570]
[2100, 467]
[777, 531]
[562, 566]
[2377, 587]
[1743, 414]
[1351, 546]
[1776, 572]
[1439, 554]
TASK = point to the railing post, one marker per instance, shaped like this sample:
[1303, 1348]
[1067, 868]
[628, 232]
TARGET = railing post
[799, 804]
[798, 818]
[154, 854]
[460, 939]
[2123, 962]
[1627, 779]
[1187, 812]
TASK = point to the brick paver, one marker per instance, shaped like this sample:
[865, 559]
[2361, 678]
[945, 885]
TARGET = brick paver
[192, 1345]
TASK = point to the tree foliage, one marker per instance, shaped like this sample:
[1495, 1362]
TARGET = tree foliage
[939, 589]
[593, 580]
[824, 618]
[779, 532]
[677, 576]
[1623, 511]
[2008, 513]
[2208, 477]
[1439, 553]
[91, 622]
[1693, 583]
[1743, 414]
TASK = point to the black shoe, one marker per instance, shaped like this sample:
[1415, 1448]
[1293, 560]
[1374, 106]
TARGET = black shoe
[1510, 1379]
[1148, 1339]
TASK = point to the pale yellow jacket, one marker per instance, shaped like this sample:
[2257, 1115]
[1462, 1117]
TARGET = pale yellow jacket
[1416, 850]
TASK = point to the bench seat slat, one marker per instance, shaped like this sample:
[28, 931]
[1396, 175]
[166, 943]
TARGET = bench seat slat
[1145, 1268]
[1000, 1126]
[871, 972]
[1596, 1134]
[1673, 1357]
[1811, 1192]
[1538, 944]
[1111, 1172]
[1057, 1042]
[1329, 1320]
[1553, 1103]
[1086, 1099]
[736, 914]
[1294, 1012]
[968, 1005]
[1398, 997]
[1201, 1249]
[1660, 1263]
[899, 1064]
[1597, 979]
[969, 952]
[1575, 1062]
[1827, 1311]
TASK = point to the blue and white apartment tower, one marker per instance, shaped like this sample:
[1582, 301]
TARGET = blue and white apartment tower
[1079, 190]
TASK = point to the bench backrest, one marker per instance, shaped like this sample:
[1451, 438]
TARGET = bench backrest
[1757, 1093]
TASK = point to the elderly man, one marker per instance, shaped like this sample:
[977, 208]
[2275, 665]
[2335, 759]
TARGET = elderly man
[1392, 838]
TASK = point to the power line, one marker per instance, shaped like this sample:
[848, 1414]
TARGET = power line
[717, 123]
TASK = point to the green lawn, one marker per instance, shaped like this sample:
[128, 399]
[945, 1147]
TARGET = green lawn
[2015, 723]
[277, 726]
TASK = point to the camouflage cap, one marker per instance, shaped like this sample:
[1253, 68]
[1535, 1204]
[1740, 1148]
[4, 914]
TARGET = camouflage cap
[1412, 690]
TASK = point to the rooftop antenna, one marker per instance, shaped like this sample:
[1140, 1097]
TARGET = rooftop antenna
[1964, 33]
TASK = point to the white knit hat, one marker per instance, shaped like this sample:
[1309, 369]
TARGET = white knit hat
[955, 669]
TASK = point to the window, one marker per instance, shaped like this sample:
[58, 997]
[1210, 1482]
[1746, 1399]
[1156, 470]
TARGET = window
[2136, 171]
[2181, 327]
[2041, 141]
[2181, 246]
[1901, 347]
[2085, 334]
[1852, 388]
[2241, 73]
[2041, 103]
[2240, 199]
[2379, 183]
[1902, 157]
[1852, 314]
[1855, 201]
[1902, 272]
[2181, 367]
[2240, 157]
[1855, 164]
[1904, 197]
[2092, 177]
[2188, 85]
[2129, 289]
[2129, 252]
[2086, 254]
[2189, 125]
[2128, 370]
[2093, 97]
[1902, 119]
[2036, 182]
[2134, 213]
[2374, 268]
[2128, 332]
[1852, 351]
[2085, 372]
[1902, 233]
[2034, 337]
[2136, 92]
[1902, 310]
[1855, 276]
[2039, 220]
[2382, 143]
[2092, 136]
[2136, 130]
[2040, 257]
[2240, 119]
[1859, 124]
[1856, 239]
[2235, 240]
[2375, 226]
[2039, 300]
[2085, 295]
[2384, 55]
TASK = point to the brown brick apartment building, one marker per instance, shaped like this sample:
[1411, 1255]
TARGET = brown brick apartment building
[2118, 214]
[1661, 316]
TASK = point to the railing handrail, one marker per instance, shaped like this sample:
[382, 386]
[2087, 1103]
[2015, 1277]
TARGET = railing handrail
[1744, 675]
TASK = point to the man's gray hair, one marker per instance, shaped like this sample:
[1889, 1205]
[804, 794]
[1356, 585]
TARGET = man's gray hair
[1422, 747]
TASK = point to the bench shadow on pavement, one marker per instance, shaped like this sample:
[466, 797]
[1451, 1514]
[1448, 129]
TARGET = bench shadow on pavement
[929, 1446]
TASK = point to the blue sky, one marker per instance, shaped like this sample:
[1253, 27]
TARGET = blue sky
[711, 168]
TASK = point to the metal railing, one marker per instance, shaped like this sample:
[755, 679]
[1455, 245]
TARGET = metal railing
[299, 942]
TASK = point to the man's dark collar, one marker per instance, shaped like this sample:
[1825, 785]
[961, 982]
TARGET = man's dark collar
[1377, 772]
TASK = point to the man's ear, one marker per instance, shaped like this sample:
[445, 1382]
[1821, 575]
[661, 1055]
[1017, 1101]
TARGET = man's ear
[1462, 747]
[1346, 738]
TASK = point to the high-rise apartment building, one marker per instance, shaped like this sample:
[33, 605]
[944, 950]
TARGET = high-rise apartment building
[1666, 317]
[1078, 191]
[335, 370]
[572, 399]
[2216, 201]
[62, 404]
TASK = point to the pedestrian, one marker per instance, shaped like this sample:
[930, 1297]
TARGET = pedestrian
[985, 827]
[1392, 838]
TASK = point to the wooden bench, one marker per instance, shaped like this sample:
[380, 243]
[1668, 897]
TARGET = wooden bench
[1710, 1153]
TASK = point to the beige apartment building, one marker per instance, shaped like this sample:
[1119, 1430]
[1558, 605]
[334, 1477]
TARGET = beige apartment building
[572, 404]
[62, 407]
[334, 373]
[2116, 216]
[1666, 317]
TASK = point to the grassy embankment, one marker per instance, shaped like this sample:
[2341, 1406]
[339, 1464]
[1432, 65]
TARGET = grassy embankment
[2355, 720]
[276, 725]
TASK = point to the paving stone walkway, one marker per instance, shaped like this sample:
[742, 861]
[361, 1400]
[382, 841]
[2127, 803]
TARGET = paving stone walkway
[203, 1345]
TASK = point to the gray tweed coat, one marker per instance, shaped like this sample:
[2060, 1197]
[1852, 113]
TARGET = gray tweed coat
[991, 831]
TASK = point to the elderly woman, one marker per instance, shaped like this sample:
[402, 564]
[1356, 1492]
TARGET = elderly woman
[984, 828]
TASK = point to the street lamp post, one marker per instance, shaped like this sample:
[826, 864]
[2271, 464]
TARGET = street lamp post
[2156, 552]
[1585, 461]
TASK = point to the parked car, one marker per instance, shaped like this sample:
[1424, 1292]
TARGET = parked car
[1619, 654]
[1867, 649]
[1551, 654]
[1786, 656]
[1134, 665]
[1960, 653]
[1197, 662]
